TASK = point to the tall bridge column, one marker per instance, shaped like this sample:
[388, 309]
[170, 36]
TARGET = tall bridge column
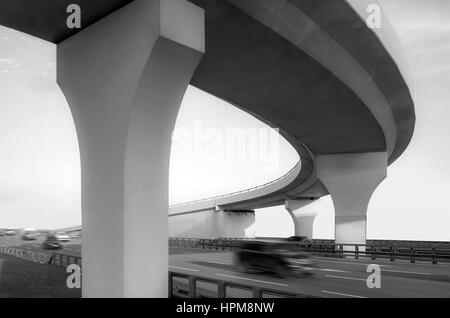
[303, 213]
[351, 180]
[124, 79]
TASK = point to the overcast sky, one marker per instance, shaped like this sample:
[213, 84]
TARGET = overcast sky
[39, 164]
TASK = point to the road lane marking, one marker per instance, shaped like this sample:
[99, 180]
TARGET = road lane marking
[344, 277]
[186, 269]
[352, 263]
[378, 261]
[218, 263]
[397, 262]
[341, 294]
[435, 265]
[253, 280]
[332, 270]
[405, 272]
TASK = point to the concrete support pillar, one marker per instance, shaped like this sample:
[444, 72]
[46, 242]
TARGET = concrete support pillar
[351, 180]
[124, 79]
[303, 213]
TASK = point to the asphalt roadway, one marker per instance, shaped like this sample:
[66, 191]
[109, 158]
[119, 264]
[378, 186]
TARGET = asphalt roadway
[333, 277]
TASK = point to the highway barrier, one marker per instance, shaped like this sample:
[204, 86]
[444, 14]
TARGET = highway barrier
[417, 244]
[392, 253]
[188, 286]
[217, 198]
[64, 260]
[25, 254]
[434, 253]
[183, 242]
[57, 259]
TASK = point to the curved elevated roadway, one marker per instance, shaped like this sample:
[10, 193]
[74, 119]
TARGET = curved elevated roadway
[335, 88]
[316, 71]
[312, 68]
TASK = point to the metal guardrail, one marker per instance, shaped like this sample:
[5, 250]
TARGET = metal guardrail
[405, 243]
[356, 251]
[223, 244]
[373, 252]
[40, 258]
[64, 260]
[57, 259]
[183, 242]
[237, 192]
[192, 289]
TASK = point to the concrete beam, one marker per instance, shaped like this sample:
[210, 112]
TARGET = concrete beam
[211, 224]
[124, 78]
[351, 180]
[302, 31]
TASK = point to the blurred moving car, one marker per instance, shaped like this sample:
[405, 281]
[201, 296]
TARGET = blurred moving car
[30, 234]
[76, 234]
[10, 232]
[62, 236]
[51, 243]
[277, 258]
[296, 238]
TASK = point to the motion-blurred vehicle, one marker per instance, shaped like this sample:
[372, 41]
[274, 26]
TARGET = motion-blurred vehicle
[75, 235]
[296, 238]
[297, 241]
[277, 258]
[10, 232]
[51, 243]
[30, 235]
[62, 236]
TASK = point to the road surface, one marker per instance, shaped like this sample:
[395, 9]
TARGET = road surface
[333, 278]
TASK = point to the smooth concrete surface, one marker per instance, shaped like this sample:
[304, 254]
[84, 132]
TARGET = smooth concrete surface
[124, 83]
[351, 180]
[303, 213]
[348, 27]
[242, 52]
[211, 224]
[253, 67]
[298, 28]
[389, 37]
[46, 19]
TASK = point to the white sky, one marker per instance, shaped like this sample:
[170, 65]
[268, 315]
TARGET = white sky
[39, 164]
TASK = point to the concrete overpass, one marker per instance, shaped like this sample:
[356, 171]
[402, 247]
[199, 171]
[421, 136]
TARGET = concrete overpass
[362, 66]
[312, 68]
